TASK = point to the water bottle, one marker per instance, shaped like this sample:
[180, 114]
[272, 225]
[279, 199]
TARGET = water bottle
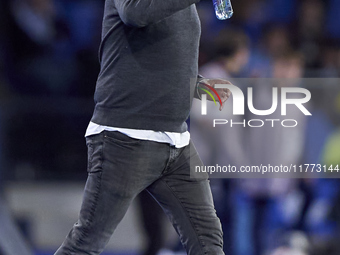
[223, 9]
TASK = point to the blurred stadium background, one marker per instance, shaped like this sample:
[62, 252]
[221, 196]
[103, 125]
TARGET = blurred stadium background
[48, 69]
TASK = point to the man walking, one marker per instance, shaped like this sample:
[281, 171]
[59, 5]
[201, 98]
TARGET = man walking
[137, 138]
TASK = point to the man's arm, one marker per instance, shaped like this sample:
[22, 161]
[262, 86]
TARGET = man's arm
[140, 13]
[200, 79]
[223, 93]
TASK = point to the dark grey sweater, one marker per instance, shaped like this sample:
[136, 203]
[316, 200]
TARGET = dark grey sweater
[148, 54]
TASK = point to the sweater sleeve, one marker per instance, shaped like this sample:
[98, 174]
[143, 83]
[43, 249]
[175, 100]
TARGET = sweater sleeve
[200, 78]
[140, 13]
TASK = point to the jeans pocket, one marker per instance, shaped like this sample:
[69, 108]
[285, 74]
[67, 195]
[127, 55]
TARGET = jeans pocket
[89, 156]
[94, 154]
[118, 137]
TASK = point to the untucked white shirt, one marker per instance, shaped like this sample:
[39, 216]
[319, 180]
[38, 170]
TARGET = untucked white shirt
[178, 140]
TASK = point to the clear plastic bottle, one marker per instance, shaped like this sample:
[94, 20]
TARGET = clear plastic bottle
[223, 9]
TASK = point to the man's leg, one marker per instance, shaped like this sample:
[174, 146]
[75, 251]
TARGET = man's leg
[119, 168]
[188, 204]
[153, 221]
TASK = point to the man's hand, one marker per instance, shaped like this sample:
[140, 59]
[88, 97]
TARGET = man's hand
[223, 93]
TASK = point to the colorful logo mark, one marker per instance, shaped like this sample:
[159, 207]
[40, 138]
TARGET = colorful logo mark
[209, 93]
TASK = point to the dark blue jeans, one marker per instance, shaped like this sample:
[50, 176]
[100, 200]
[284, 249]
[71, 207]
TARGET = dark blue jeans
[120, 167]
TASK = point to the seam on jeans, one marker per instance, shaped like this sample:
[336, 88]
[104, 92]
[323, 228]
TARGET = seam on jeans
[190, 218]
[171, 160]
[167, 164]
[93, 207]
[90, 157]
